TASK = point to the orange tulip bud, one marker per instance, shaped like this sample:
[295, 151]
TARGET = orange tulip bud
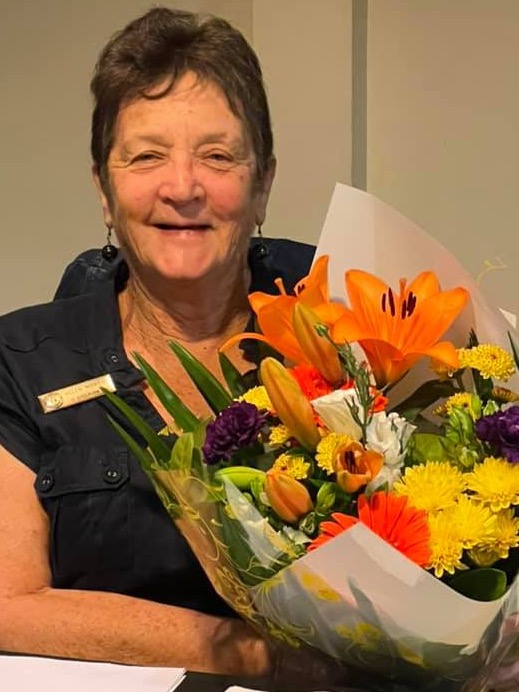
[318, 349]
[355, 466]
[289, 498]
[289, 402]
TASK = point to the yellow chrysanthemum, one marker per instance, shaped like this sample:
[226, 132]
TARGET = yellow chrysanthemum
[432, 486]
[446, 545]
[494, 482]
[257, 396]
[464, 400]
[497, 545]
[293, 465]
[490, 360]
[327, 450]
[474, 521]
[279, 434]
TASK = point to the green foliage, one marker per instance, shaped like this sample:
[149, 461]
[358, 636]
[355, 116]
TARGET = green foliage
[241, 476]
[215, 395]
[182, 453]
[424, 447]
[482, 584]
[325, 498]
[181, 414]
[158, 447]
[232, 375]
[251, 570]
[143, 456]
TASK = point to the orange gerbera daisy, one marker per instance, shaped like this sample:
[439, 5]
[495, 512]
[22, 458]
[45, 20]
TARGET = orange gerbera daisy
[396, 329]
[403, 526]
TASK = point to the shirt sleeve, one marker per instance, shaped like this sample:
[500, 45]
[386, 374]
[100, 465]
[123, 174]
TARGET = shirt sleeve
[18, 434]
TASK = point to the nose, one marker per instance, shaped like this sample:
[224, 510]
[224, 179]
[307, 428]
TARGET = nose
[179, 183]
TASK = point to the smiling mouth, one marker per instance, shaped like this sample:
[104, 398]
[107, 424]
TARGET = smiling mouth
[182, 227]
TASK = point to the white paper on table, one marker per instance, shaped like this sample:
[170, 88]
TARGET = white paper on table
[362, 232]
[28, 673]
[235, 688]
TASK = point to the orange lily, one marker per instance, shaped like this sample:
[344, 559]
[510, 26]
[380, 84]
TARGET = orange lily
[321, 353]
[396, 330]
[289, 498]
[274, 313]
[355, 466]
[289, 402]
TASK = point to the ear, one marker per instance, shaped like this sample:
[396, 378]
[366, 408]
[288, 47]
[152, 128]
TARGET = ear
[263, 192]
[105, 203]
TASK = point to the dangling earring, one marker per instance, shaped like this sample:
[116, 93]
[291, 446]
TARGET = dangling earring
[109, 251]
[261, 248]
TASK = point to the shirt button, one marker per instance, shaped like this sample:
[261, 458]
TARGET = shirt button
[114, 358]
[47, 482]
[111, 475]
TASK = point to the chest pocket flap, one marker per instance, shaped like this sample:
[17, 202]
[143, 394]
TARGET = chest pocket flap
[86, 494]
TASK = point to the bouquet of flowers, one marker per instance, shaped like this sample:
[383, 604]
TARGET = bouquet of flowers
[383, 534]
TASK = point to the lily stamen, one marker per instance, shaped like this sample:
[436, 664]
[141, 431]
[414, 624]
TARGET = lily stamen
[281, 286]
[411, 303]
[388, 297]
[397, 329]
[350, 462]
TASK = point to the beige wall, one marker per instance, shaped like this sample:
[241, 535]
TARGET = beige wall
[305, 49]
[443, 137]
[47, 51]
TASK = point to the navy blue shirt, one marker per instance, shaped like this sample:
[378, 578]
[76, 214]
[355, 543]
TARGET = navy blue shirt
[108, 529]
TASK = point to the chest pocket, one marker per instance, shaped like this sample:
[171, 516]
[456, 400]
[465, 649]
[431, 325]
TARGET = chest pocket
[86, 493]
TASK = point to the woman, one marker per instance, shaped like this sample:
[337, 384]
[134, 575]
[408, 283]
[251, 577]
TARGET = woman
[90, 565]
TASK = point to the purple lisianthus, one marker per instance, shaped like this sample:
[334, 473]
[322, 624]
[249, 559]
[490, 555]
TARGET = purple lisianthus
[501, 431]
[235, 427]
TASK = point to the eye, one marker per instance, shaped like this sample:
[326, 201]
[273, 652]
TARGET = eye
[146, 157]
[218, 159]
[220, 156]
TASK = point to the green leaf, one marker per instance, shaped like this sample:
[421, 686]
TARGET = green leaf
[251, 568]
[181, 414]
[424, 447]
[232, 376]
[515, 351]
[483, 584]
[428, 393]
[199, 433]
[182, 453]
[160, 450]
[216, 396]
[143, 456]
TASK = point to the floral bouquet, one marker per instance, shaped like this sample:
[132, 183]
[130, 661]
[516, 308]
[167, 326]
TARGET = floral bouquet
[384, 535]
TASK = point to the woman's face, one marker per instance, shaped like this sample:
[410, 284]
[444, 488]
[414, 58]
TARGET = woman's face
[184, 197]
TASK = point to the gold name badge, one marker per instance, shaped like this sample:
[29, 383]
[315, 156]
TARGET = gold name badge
[76, 393]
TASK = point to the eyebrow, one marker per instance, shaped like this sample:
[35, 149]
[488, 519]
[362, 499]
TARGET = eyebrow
[237, 143]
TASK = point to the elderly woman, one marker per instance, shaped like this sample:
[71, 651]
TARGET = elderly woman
[90, 565]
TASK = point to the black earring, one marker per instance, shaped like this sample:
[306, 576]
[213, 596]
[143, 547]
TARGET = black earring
[261, 248]
[109, 251]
